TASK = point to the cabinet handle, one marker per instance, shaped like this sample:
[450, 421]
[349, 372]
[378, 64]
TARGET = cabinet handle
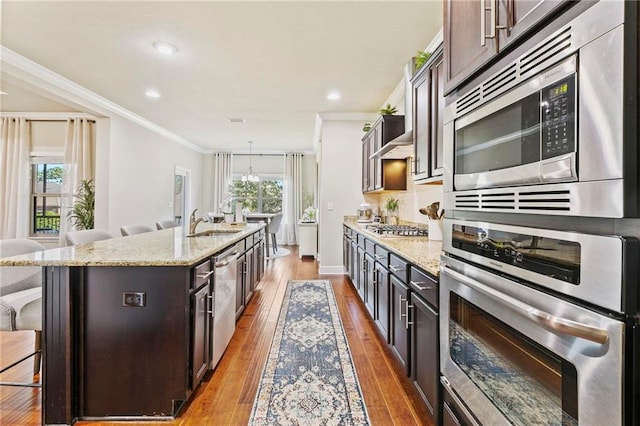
[408, 306]
[493, 25]
[378, 256]
[400, 301]
[212, 304]
[394, 269]
[364, 265]
[204, 276]
[429, 285]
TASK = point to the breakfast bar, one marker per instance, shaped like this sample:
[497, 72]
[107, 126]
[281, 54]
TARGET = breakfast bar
[127, 321]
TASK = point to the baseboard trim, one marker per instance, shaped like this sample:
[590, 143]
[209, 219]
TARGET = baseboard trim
[331, 270]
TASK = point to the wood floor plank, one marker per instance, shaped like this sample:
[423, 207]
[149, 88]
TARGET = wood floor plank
[226, 398]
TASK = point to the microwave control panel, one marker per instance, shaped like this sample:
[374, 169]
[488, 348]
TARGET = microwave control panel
[559, 118]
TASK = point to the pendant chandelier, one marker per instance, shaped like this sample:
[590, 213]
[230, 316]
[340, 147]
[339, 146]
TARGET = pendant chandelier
[250, 177]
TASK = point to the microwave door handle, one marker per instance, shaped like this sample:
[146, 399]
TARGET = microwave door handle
[561, 325]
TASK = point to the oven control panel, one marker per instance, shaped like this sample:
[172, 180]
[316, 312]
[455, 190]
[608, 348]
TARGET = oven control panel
[558, 118]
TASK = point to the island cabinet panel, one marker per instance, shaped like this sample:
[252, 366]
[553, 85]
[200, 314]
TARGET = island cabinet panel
[134, 341]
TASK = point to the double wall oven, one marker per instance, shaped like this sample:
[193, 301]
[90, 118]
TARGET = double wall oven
[539, 327]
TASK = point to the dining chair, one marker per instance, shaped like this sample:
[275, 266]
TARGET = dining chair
[272, 228]
[127, 230]
[166, 224]
[74, 238]
[21, 299]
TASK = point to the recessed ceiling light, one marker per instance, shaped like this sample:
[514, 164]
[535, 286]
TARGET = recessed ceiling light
[236, 120]
[165, 48]
[152, 93]
[333, 96]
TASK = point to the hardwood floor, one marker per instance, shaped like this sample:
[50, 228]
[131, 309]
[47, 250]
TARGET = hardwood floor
[226, 398]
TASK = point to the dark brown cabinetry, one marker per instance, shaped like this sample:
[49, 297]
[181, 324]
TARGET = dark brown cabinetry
[476, 31]
[381, 282]
[200, 326]
[398, 307]
[250, 269]
[380, 174]
[428, 119]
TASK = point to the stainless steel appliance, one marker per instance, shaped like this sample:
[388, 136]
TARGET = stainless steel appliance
[519, 345]
[224, 303]
[366, 212]
[550, 133]
[397, 230]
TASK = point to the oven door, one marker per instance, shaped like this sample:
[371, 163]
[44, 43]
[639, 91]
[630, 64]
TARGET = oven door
[515, 355]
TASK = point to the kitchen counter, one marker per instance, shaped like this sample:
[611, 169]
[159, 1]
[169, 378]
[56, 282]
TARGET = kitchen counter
[137, 304]
[167, 247]
[420, 251]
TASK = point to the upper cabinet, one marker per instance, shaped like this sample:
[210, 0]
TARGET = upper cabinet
[378, 174]
[475, 31]
[428, 109]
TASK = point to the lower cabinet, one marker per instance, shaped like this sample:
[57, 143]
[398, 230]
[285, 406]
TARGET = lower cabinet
[370, 289]
[200, 326]
[425, 366]
[399, 326]
[381, 281]
[240, 280]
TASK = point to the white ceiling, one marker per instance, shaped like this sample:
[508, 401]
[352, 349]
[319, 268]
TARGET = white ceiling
[270, 62]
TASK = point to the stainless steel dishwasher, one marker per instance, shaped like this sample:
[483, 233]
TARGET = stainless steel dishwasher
[224, 294]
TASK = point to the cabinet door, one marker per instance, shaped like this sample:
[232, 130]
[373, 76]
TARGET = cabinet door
[354, 263]
[421, 107]
[375, 166]
[463, 38]
[346, 248]
[200, 326]
[520, 16]
[399, 326]
[382, 300]
[370, 289]
[240, 279]
[436, 116]
[425, 368]
[248, 276]
[361, 273]
[365, 164]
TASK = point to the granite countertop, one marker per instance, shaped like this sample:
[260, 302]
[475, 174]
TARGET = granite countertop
[167, 247]
[420, 251]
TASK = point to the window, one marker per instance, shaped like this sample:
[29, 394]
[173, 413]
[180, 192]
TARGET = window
[263, 196]
[46, 185]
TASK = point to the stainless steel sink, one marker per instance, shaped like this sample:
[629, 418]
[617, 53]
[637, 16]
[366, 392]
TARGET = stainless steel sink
[213, 232]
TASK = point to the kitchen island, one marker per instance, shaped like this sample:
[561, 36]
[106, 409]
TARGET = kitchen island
[126, 321]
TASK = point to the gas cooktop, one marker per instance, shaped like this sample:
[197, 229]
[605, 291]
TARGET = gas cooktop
[397, 230]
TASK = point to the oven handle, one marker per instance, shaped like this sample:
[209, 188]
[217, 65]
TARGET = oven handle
[543, 318]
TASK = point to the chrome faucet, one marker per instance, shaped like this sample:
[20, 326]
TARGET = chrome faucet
[193, 222]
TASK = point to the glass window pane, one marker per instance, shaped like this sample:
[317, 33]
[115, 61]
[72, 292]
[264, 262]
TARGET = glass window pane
[46, 219]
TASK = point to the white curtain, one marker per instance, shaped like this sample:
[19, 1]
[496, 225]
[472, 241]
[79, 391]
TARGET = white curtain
[222, 174]
[14, 177]
[79, 165]
[292, 200]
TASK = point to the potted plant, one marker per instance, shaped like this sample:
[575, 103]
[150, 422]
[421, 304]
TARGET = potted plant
[388, 110]
[81, 215]
[421, 59]
[391, 206]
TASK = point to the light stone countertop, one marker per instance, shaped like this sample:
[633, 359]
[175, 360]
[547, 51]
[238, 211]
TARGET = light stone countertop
[420, 251]
[167, 247]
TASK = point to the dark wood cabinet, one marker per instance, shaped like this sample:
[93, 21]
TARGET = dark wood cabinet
[240, 280]
[378, 174]
[474, 35]
[200, 325]
[425, 370]
[428, 119]
[370, 289]
[398, 307]
[382, 300]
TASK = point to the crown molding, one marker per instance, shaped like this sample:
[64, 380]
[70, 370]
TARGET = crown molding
[37, 76]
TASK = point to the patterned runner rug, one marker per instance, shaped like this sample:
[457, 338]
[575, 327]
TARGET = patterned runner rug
[309, 378]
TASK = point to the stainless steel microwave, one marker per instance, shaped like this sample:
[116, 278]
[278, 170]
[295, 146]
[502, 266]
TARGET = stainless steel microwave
[545, 134]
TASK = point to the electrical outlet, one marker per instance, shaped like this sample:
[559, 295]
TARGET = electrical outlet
[136, 299]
